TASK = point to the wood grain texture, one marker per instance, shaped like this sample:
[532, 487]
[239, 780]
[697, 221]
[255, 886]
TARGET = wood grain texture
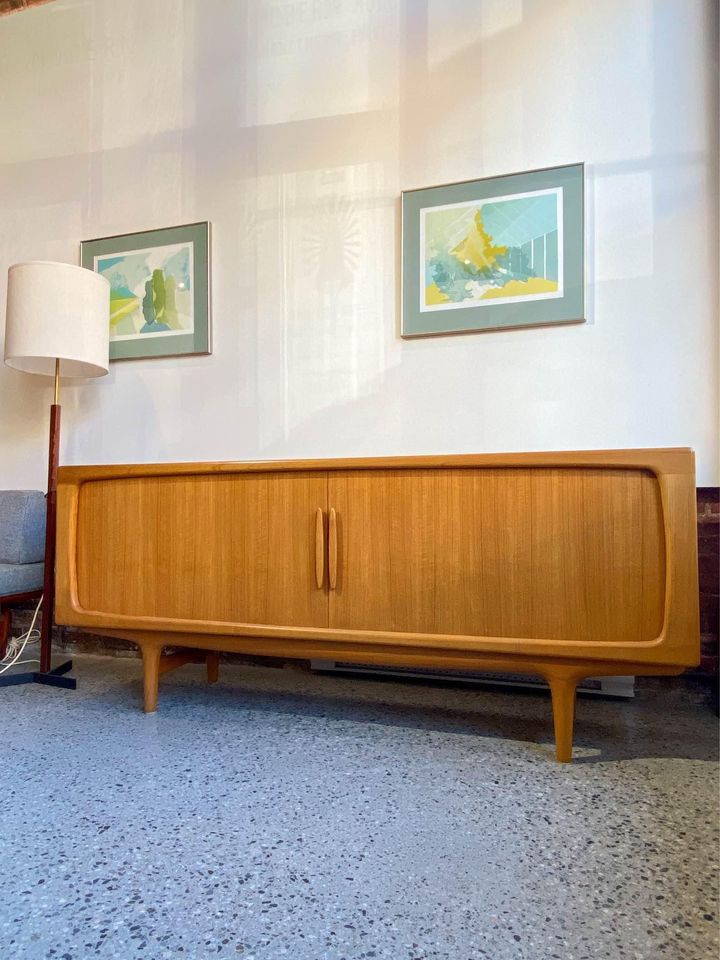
[48, 604]
[238, 548]
[663, 460]
[588, 554]
[15, 6]
[319, 548]
[366, 651]
[151, 653]
[332, 548]
[517, 553]
[212, 662]
[563, 690]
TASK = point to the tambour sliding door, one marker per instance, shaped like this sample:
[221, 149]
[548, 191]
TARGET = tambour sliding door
[236, 547]
[541, 553]
[527, 552]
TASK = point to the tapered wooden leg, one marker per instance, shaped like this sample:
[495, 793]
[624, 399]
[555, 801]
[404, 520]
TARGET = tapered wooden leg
[213, 666]
[151, 675]
[562, 689]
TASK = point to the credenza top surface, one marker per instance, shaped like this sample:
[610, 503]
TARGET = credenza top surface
[663, 460]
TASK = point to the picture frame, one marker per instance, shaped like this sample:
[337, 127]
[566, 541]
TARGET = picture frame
[495, 253]
[159, 290]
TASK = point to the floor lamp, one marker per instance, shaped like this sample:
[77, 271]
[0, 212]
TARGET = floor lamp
[57, 324]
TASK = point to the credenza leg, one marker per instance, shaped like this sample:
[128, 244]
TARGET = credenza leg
[562, 689]
[213, 666]
[151, 675]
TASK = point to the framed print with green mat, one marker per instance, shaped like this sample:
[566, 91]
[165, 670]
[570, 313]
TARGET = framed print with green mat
[495, 253]
[159, 290]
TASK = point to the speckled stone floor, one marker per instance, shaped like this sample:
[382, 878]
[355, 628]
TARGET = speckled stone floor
[281, 814]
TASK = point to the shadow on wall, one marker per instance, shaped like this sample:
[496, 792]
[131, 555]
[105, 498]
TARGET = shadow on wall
[293, 127]
[398, 114]
[24, 420]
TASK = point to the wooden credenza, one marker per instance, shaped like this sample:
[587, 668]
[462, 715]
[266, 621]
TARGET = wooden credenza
[567, 565]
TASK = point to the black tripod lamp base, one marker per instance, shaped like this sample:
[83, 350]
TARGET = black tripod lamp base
[54, 677]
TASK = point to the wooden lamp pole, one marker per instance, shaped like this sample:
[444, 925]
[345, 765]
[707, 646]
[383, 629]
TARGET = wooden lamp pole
[48, 604]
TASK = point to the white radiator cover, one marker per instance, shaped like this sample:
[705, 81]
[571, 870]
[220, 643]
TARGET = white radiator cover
[602, 686]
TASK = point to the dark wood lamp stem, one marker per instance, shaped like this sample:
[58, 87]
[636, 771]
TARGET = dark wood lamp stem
[48, 606]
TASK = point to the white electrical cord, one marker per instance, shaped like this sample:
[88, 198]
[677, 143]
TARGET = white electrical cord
[16, 645]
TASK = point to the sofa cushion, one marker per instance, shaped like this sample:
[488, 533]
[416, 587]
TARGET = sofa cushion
[22, 526]
[20, 578]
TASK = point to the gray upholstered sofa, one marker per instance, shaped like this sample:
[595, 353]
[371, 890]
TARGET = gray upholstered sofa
[22, 549]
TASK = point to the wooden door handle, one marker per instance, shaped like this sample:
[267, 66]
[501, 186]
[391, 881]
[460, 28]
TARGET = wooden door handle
[332, 549]
[319, 548]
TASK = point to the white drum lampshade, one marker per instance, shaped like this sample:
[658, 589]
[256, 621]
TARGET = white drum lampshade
[57, 324]
[57, 311]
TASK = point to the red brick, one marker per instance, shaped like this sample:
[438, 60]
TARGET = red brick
[708, 665]
[710, 616]
[709, 575]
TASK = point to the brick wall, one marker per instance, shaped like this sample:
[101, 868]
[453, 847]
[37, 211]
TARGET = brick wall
[708, 506]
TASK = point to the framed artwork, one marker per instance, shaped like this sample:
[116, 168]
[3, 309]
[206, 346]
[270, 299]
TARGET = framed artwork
[159, 290]
[495, 253]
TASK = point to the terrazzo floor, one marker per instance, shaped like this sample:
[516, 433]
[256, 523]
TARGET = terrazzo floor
[282, 814]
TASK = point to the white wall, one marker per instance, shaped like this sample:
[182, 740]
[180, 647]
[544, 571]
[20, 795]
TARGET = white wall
[293, 125]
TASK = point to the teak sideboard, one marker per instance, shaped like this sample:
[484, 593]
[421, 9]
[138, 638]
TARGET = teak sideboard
[565, 565]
